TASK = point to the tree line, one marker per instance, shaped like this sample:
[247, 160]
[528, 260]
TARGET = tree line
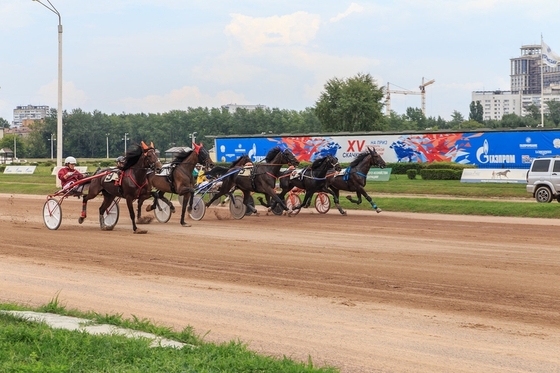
[346, 105]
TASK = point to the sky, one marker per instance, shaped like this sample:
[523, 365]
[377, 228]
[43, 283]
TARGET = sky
[154, 56]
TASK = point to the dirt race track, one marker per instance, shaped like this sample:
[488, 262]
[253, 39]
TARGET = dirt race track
[389, 292]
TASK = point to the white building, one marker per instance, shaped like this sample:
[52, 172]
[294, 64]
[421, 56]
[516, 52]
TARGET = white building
[525, 90]
[29, 112]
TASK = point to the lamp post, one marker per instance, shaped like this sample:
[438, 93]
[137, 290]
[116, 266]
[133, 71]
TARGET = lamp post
[193, 137]
[15, 150]
[52, 147]
[125, 138]
[107, 145]
[59, 109]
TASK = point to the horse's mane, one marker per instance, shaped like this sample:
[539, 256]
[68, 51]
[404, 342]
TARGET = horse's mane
[181, 156]
[132, 156]
[318, 163]
[359, 158]
[272, 153]
[235, 163]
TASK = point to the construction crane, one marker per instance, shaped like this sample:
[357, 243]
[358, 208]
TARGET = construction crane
[407, 92]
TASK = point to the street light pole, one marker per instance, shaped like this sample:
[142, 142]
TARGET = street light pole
[59, 109]
[125, 138]
[193, 136]
[107, 145]
[52, 148]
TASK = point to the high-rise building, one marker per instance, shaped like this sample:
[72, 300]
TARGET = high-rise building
[525, 87]
[29, 112]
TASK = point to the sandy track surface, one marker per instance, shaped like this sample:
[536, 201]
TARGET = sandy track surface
[389, 292]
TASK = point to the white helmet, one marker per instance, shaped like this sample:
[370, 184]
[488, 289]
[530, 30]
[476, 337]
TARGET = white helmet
[71, 160]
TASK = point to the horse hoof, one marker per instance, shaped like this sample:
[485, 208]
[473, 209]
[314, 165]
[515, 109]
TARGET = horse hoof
[378, 210]
[149, 208]
[81, 220]
[140, 231]
[344, 213]
[349, 198]
[186, 225]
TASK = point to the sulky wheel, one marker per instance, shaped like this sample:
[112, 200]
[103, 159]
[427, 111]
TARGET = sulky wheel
[198, 208]
[293, 202]
[322, 203]
[52, 214]
[236, 207]
[162, 211]
[111, 215]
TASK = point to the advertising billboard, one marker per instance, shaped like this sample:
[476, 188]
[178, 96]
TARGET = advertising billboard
[499, 149]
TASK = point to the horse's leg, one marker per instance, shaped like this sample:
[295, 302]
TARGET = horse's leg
[335, 193]
[247, 202]
[130, 205]
[184, 208]
[369, 199]
[84, 210]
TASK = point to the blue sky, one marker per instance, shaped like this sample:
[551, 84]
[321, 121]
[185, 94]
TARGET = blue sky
[131, 56]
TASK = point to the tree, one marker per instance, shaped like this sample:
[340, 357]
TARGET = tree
[477, 112]
[456, 119]
[4, 123]
[351, 105]
[554, 112]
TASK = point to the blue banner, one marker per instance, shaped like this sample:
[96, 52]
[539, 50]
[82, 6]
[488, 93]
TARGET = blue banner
[500, 149]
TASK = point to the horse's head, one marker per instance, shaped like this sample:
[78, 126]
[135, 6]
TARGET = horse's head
[289, 158]
[203, 155]
[333, 163]
[375, 158]
[151, 159]
[241, 161]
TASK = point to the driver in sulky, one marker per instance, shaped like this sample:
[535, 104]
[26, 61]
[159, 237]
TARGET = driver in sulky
[68, 174]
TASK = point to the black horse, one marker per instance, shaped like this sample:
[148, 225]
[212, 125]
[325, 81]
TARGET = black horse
[355, 177]
[261, 178]
[312, 179]
[226, 176]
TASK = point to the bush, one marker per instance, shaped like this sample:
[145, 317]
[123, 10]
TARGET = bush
[441, 174]
[402, 168]
[411, 174]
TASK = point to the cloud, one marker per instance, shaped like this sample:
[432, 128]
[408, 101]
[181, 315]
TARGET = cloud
[353, 8]
[71, 96]
[254, 33]
[179, 99]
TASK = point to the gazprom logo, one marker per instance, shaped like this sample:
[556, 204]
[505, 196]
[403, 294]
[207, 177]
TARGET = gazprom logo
[483, 156]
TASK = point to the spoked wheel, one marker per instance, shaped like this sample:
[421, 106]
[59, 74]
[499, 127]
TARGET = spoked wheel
[111, 215]
[322, 203]
[277, 209]
[162, 211]
[237, 208]
[293, 202]
[52, 214]
[198, 208]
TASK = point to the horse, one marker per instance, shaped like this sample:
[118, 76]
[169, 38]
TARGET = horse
[261, 177]
[132, 184]
[312, 179]
[180, 179]
[226, 176]
[355, 177]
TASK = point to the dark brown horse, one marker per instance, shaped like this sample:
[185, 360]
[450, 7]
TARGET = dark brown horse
[312, 179]
[355, 177]
[226, 175]
[180, 179]
[132, 185]
[261, 177]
